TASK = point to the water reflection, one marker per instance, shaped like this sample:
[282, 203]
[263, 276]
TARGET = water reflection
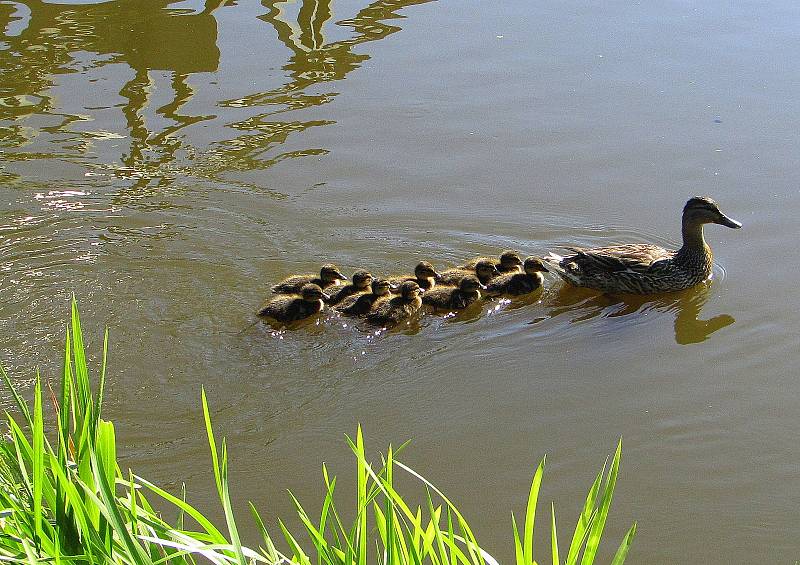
[583, 304]
[45, 40]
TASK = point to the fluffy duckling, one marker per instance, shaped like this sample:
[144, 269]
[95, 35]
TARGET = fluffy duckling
[398, 308]
[361, 304]
[519, 283]
[329, 275]
[484, 269]
[510, 262]
[452, 298]
[288, 307]
[424, 275]
[361, 283]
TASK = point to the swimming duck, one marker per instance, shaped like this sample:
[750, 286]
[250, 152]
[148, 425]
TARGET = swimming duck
[361, 304]
[289, 307]
[424, 275]
[361, 283]
[519, 283]
[329, 275]
[484, 269]
[454, 298]
[642, 268]
[510, 262]
[398, 308]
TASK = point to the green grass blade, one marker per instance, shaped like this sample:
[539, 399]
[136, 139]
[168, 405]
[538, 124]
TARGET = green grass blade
[530, 514]
[596, 530]
[554, 534]
[622, 552]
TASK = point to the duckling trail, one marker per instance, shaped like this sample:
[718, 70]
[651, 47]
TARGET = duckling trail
[168, 163]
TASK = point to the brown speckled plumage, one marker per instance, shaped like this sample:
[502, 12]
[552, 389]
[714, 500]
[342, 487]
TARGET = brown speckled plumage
[643, 268]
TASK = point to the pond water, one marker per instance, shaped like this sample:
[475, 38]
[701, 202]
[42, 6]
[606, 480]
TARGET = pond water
[167, 162]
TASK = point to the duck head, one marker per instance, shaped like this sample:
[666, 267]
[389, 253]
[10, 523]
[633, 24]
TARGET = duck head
[312, 293]
[486, 270]
[362, 280]
[330, 273]
[510, 260]
[470, 285]
[409, 290]
[703, 210]
[534, 265]
[425, 270]
[381, 287]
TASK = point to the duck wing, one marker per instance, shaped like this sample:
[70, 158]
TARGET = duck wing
[635, 257]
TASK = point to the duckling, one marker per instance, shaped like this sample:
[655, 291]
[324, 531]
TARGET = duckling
[454, 298]
[361, 284]
[424, 275]
[289, 307]
[519, 283]
[329, 275]
[361, 304]
[510, 262]
[642, 268]
[484, 269]
[398, 308]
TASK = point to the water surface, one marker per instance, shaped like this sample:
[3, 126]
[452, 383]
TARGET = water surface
[167, 162]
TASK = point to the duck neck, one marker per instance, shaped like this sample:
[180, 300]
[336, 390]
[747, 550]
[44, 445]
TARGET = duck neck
[694, 249]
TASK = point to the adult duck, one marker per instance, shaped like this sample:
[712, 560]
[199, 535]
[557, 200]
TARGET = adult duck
[641, 268]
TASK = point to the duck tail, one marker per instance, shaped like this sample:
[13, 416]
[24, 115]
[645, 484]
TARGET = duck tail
[553, 261]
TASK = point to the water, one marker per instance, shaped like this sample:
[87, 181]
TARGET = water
[168, 162]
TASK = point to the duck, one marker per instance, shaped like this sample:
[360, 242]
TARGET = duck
[454, 298]
[484, 269]
[510, 262]
[641, 268]
[399, 308]
[361, 304]
[424, 275]
[362, 280]
[329, 275]
[516, 284]
[290, 307]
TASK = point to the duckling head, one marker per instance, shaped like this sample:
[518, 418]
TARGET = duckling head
[470, 285]
[362, 280]
[330, 273]
[312, 293]
[703, 210]
[486, 269]
[409, 290]
[381, 287]
[425, 270]
[534, 265]
[510, 259]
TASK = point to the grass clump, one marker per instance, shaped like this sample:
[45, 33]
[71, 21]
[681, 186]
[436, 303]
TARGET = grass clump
[65, 499]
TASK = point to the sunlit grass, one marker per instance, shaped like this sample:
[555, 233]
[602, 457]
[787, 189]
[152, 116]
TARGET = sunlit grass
[64, 499]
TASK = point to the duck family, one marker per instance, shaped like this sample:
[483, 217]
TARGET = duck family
[631, 268]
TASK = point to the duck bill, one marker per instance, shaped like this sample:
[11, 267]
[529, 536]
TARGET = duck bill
[543, 269]
[728, 222]
[325, 297]
[341, 277]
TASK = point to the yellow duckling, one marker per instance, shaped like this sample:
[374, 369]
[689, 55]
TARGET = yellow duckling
[361, 304]
[519, 283]
[454, 298]
[329, 275]
[398, 308]
[289, 307]
[424, 275]
[510, 262]
[484, 269]
[361, 283]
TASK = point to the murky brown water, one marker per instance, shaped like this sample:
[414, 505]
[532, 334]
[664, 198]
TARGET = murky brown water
[167, 162]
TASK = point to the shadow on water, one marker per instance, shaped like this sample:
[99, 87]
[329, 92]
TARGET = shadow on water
[43, 40]
[583, 304]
